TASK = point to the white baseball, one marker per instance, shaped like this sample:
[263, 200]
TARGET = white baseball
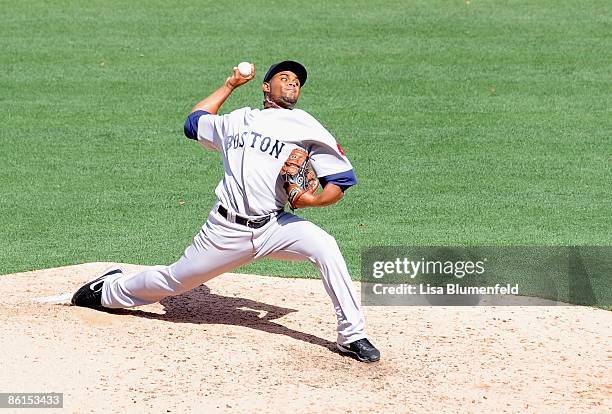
[245, 69]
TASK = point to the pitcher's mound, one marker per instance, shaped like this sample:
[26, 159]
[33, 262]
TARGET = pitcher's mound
[246, 343]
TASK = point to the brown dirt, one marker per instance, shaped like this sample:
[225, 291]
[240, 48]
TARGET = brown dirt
[246, 343]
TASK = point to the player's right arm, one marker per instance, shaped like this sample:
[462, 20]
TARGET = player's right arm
[208, 133]
[213, 102]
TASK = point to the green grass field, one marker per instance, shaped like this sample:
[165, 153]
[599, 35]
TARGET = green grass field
[468, 123]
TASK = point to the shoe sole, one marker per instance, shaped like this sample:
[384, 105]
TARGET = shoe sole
[347, 351]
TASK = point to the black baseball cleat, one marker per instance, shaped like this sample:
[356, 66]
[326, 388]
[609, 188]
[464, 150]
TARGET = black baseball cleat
[361, 349]
[90, 294]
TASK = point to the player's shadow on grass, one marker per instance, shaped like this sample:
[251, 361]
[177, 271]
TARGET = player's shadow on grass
[199, 306]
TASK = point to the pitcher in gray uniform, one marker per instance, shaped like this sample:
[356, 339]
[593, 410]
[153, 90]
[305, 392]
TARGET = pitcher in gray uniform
[248, 221]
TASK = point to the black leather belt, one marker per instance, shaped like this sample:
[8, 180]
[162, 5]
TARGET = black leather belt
[252, 223]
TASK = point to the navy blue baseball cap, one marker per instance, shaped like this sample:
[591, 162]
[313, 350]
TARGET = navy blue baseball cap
[295, 67]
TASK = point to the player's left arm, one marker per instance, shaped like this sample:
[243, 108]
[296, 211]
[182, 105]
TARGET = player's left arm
[331, 194]
[327, 161]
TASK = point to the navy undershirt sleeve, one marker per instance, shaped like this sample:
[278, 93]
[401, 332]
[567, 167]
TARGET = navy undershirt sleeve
[191, 124]
[343, 180]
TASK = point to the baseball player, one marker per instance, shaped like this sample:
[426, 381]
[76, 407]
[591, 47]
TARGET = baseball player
[271, 156]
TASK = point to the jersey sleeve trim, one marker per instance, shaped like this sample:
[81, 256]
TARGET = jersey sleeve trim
[191, 124]
[344, 180]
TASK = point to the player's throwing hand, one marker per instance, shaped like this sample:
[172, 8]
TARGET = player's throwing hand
[237, 79]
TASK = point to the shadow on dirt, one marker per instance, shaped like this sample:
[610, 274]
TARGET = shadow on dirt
[199, 306]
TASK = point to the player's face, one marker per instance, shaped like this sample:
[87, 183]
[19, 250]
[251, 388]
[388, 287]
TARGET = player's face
[283, 89]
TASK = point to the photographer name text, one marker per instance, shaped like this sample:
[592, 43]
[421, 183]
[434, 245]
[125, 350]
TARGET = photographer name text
[448, 289]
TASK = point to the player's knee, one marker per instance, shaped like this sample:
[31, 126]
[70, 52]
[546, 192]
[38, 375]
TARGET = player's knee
[327, 246]
[331, 242]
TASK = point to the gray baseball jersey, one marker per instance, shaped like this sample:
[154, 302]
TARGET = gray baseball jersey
[255, 143]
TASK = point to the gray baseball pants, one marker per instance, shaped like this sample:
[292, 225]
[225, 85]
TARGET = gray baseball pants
[222, 245]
